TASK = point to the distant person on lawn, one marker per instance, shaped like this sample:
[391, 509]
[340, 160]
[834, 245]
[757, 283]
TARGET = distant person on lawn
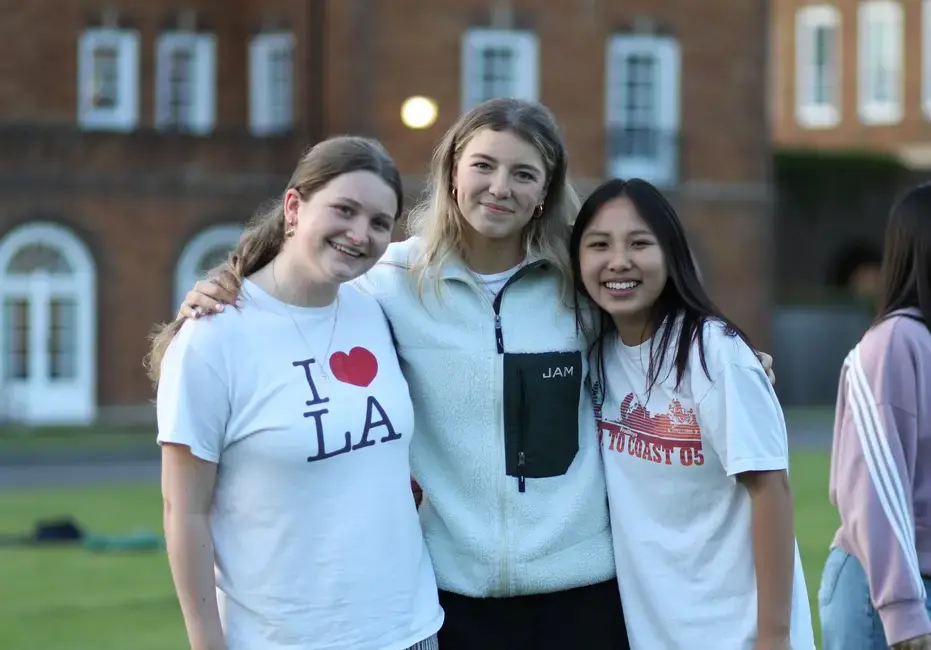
[875, 586]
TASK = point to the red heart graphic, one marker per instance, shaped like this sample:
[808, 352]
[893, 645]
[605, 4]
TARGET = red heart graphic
[358, 368]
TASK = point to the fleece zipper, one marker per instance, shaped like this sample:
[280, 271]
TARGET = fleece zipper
[504, 577]
[499, 343]
[504, 581]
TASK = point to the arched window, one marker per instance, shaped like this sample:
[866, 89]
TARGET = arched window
[206, 250]
[48, 326]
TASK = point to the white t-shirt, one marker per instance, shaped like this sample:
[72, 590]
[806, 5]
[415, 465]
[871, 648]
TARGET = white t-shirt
[317, 539]
[494, 282]
[681, 523]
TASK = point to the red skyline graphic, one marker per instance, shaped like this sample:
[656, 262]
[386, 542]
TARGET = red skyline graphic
[678, 424]
[654, 437]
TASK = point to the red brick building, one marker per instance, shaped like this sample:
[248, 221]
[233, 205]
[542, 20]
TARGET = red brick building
[853, 74]
[138, 136]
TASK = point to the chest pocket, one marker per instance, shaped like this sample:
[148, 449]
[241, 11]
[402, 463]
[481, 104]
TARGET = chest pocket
[541, 412]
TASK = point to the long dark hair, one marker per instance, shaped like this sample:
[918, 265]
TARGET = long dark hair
[683, 296]
[906, 265]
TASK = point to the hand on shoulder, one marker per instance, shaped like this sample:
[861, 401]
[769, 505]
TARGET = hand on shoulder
[210, 296]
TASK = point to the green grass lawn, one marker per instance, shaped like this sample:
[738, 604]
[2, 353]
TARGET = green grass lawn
[816, 520]
[73, 599]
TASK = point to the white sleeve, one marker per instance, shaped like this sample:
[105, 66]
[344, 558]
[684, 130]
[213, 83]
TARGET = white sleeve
[743, 420]
[192, 403]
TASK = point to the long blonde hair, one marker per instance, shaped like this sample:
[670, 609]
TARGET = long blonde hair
[264, 235]
[436, 219]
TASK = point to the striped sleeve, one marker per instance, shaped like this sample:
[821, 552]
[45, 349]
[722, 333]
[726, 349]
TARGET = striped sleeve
[871, 485]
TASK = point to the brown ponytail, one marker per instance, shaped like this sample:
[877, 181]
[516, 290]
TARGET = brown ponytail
[263, 236]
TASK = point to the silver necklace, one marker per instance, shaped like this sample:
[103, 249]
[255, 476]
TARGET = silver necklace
[480, 281]
[484, 284]
[322, 363]
[619, 351]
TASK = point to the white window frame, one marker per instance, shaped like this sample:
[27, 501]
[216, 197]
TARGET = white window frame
[186, 271]
[808, 112]
[526, 50]
[926, 57]
[890, 13]
[124, 115]
[662, 169]
[203, 51]
[264, 117]
[42, 399]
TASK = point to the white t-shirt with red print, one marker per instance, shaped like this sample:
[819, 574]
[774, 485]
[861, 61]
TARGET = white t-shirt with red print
[317, 540]
[681, 521]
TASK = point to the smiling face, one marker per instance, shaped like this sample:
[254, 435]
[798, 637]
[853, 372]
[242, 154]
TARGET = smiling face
[500, 180]
[341, 230]
[622, 266]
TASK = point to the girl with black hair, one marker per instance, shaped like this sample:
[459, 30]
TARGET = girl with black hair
[692, 436]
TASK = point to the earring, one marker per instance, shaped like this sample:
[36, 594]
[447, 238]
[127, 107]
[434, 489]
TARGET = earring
[539, 211]
[289, 232]
[455, 197]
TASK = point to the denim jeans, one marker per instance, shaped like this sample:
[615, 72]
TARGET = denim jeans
[848, 619]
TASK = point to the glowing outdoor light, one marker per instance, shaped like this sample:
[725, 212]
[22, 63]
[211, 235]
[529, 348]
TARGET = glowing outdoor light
[418, 112]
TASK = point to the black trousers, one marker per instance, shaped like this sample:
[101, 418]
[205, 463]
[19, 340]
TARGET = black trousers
[586, 617]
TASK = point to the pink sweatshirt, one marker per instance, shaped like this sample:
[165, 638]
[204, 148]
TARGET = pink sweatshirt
[881, 469]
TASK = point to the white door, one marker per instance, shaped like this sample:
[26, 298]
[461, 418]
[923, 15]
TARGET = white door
[47, 322]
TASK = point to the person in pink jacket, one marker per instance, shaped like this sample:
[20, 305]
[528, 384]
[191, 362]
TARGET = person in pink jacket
[875, 585]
